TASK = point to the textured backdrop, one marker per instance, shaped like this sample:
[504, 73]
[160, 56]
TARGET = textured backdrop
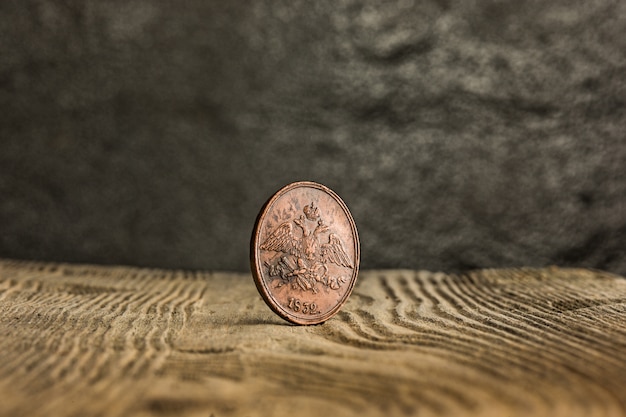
[461, 134]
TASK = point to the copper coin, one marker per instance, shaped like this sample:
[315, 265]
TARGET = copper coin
[304, 253]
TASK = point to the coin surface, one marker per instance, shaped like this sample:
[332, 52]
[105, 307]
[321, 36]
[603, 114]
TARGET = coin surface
[305, 253]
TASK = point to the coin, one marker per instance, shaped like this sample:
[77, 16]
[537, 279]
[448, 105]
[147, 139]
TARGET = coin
[304, 253]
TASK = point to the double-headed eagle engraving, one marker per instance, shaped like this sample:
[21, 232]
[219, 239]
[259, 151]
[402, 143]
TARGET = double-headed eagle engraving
[304, 260]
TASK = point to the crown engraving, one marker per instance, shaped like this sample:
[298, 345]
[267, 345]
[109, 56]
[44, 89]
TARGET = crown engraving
[311, 212]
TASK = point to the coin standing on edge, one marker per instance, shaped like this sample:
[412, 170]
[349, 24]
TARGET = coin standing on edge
[305, 253]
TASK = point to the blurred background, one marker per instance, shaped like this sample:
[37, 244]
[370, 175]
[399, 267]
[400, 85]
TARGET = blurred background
[461, 134]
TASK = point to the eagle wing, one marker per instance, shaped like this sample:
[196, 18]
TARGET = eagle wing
[282, 240]
[334, 252]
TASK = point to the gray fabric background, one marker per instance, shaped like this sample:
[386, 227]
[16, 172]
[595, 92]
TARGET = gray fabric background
[461, 134]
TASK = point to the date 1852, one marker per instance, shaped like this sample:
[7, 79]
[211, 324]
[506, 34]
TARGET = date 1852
[303, 307]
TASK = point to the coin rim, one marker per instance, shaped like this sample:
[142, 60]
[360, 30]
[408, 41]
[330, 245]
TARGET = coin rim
[255, 269]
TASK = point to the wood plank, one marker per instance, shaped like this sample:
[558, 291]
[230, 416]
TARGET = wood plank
[80, 340]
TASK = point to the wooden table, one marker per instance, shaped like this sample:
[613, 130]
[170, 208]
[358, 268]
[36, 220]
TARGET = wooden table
[115, 341]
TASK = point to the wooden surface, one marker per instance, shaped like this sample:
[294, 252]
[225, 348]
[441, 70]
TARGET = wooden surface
[114, 341]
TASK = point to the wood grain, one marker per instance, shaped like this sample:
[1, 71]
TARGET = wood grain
[94, 341]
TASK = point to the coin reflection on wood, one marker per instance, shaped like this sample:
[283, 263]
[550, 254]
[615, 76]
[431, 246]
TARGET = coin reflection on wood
[305, 253]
